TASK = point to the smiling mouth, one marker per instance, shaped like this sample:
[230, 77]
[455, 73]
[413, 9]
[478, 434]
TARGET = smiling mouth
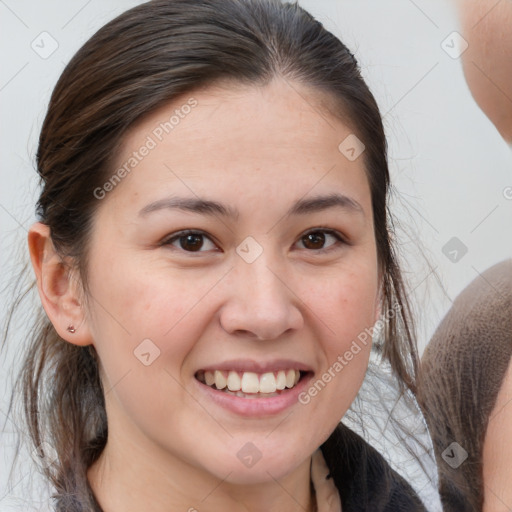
[251, 384]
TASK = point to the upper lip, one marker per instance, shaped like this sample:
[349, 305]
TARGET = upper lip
[250, 365]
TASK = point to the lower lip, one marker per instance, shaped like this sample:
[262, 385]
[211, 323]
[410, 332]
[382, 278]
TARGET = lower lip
[256, 406]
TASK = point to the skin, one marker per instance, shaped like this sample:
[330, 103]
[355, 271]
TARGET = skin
[486, 25]
[259, 150]
[497, 452]
[487, 63]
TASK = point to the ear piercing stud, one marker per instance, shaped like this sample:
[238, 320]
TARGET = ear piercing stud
[71, 329]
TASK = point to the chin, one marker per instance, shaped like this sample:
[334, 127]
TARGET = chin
[249, 465]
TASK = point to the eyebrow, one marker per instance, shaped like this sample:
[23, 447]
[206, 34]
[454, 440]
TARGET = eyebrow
[202, 206]
[213, 208]
[321, 203]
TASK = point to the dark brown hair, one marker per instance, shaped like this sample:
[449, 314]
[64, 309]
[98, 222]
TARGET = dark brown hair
[142, 60]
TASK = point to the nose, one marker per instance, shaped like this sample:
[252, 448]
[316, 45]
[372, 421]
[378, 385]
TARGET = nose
[261, 303]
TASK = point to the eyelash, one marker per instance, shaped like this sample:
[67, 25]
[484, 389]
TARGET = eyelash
[339, 239]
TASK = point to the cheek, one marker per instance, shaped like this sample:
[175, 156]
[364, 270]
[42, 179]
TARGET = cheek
[145, 328]
[142, 321]
[144, 304]
[345, 311]
[347, 304]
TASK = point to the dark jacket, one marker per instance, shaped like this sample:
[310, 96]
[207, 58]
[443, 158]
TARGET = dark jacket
[365, 481]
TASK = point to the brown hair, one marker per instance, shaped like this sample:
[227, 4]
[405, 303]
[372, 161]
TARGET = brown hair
[462, 370]
[139, 61]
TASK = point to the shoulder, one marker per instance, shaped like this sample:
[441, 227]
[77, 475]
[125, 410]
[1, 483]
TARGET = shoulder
[364, 479]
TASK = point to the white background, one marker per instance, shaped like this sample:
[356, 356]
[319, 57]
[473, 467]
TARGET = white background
[449, 165]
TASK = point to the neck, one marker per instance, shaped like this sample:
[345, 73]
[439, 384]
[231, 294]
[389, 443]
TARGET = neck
[128, 476]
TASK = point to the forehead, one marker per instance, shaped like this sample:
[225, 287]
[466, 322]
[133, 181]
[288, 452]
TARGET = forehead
[244, 139]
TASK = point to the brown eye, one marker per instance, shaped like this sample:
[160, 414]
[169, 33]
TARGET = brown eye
[190, 241]
[320, 239]
[314, 240]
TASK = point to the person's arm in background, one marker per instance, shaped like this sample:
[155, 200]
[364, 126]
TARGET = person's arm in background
[487, 26]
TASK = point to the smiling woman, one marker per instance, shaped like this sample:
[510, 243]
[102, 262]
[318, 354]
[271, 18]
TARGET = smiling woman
[191, 304]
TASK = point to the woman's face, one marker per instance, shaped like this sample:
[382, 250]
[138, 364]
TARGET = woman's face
[497, 453]
[240, 241]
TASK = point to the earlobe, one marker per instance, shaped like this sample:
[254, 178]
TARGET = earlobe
[58, 290]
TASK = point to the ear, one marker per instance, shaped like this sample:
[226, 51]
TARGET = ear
[58, 291]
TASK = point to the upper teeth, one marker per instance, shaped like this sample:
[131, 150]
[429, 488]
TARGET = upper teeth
[250, 382]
